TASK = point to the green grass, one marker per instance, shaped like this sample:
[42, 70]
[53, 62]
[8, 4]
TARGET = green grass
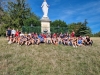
[49, 59]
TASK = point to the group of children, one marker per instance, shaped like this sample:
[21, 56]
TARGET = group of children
[14, 36]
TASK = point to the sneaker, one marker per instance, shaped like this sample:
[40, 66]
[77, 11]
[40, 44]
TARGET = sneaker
[73, 46]
[76, 46]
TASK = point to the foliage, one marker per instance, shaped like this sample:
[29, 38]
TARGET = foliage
[30, 29]
[33, 20]
[96, 34]
[74, 26]
[1, 14]
[18, 15]
[59, 26]
[59, 23]
[84, 30]
[80, 28]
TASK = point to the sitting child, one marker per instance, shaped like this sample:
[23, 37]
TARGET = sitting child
[59, 40]
[49, 40]
[79, 42]
[88, 41]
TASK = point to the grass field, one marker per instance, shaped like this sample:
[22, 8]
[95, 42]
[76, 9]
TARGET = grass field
[49, 59]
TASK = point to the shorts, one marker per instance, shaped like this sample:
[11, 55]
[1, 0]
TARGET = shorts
[49, 41]
[8, 35]
[80, 42]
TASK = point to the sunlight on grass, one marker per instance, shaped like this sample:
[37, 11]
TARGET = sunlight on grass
[49, 59]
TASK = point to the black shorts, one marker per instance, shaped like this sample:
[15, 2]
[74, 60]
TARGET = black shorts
[8, 35]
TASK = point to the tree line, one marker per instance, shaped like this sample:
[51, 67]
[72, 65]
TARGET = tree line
[17, 13]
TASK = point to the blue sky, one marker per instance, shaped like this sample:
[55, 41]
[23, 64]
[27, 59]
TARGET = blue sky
[71, 11]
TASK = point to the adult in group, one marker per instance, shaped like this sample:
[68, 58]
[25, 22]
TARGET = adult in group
[17, 33]
[13, 32]
[88, 41]
[73, 34]
[8, 33]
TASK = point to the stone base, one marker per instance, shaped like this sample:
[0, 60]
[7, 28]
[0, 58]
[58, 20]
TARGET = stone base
[45, 25]
[45, 19]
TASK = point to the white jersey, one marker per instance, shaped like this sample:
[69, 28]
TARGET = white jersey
[21, 34]
[13, 32]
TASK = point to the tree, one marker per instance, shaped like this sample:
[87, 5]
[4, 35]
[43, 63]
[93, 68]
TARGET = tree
[58, 23]
[96, 34]
[80, 28]
[74, 26]
[59, 26]
[1, 14]
[18, 14]
[84, 30]
[34, 20]
[1, 11]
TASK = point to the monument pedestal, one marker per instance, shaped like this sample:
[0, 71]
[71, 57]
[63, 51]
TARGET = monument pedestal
[45, 25]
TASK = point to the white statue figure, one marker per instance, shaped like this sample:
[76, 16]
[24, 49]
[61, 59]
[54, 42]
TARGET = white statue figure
[45, 8]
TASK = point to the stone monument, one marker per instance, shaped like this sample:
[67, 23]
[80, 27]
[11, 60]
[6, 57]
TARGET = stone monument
[45, 21]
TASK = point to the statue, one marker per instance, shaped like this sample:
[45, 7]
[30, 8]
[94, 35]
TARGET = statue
[45, 8]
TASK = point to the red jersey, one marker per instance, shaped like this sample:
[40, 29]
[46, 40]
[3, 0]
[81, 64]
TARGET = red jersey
[17, 33]
[73, 34]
